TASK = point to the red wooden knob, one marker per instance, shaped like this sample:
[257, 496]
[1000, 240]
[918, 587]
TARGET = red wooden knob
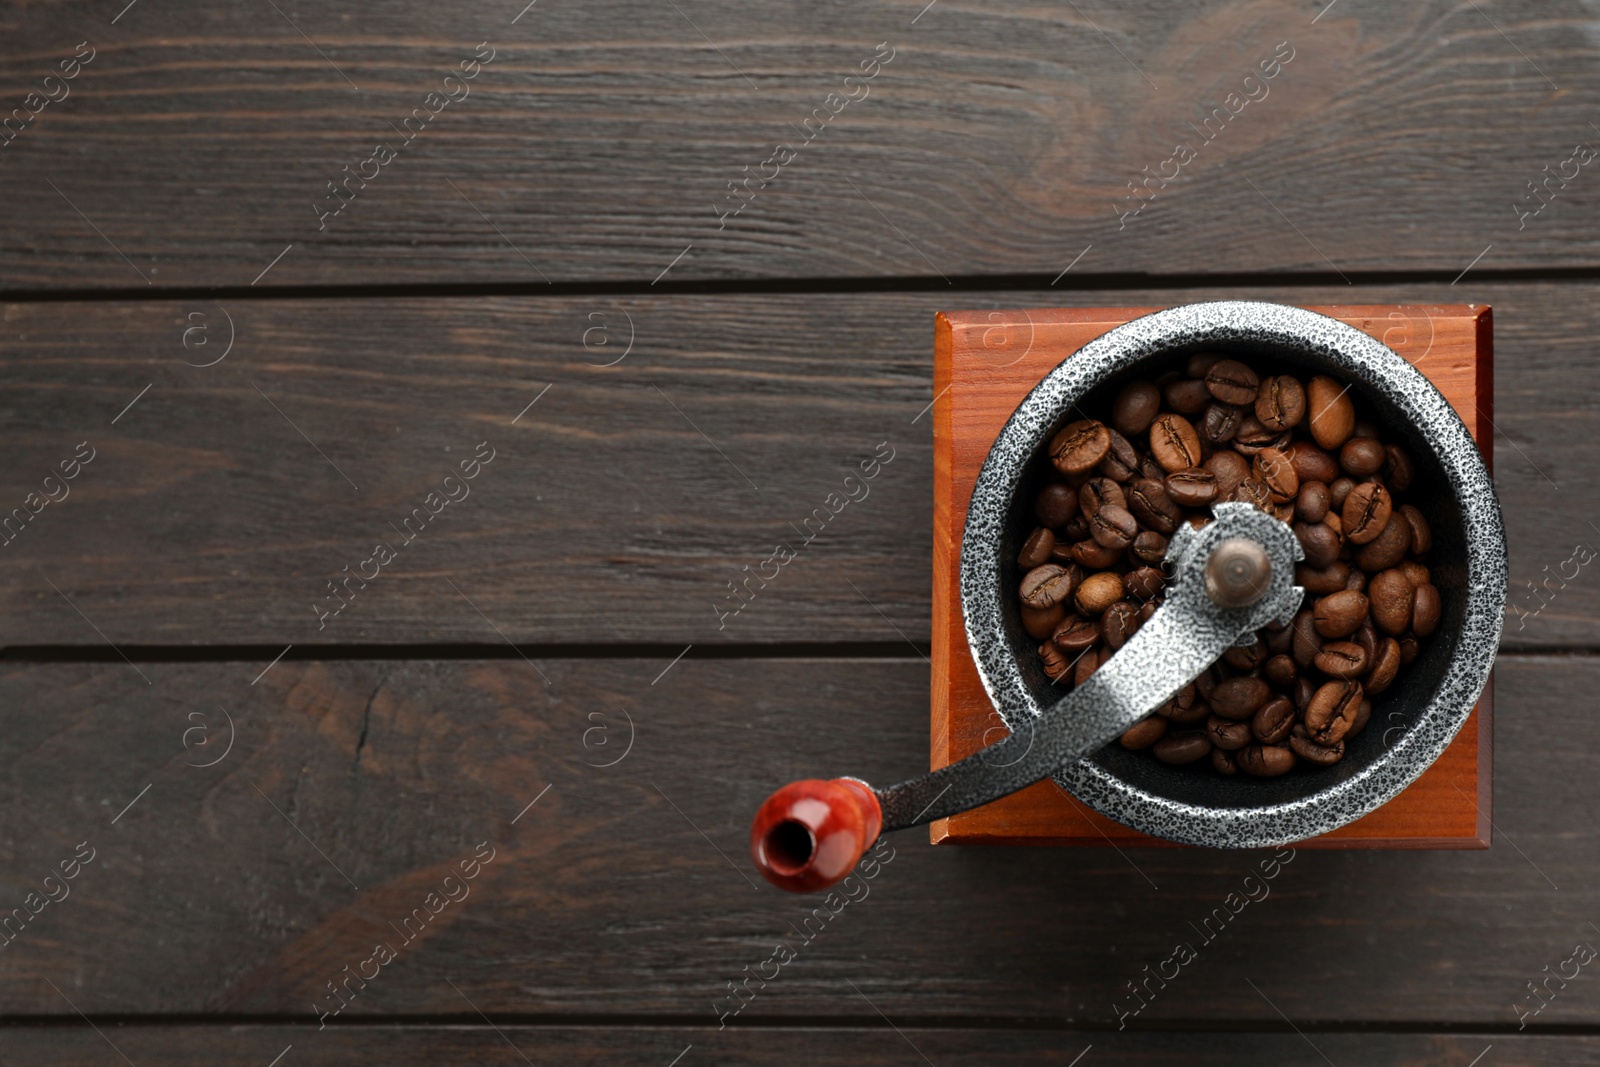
[811, 833]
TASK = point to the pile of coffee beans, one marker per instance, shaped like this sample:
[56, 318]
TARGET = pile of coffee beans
[1171, 447]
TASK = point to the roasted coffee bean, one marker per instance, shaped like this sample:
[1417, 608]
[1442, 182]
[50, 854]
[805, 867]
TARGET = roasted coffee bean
[1397, 469]
[1367, 637]
[1332, 711]
[1307, 641]
[1098, 592]
[1416, 572]
[1254, 492]
[1075, 633]
[1357, 580]
[1391, 594]
[1149, 547]
[1410, 648]
[1223, 762]
[1185, 747]
[1046, 585]
[1311, 464]
[1339, 492]
[1230, 469]
[1079, 446]
[1201, 362]
[1057, 503]
[1311, 752]
[1333, 414]
[1284, 513]
[1098, 491]
[1246, 658]
[1273, 469]
[1362, 717]
[1421, 532]
[1119, 622]
[1219, 423]
[1366, 512]
[1041, 622]
[1076, 529]
[1187, 396]
[1385, 666]
[1320, 581]
[1425, 610]
[1304, 690]
[1152, 506]
[1087, 663]
[1232, 382]
[1280, 669]
[1197, 712]
[1319, 542]
[1144, 733]
[1184, 700]
[1362, 456]
[1252, 437]
[1174, 443]
[1135, 407]
[1113, 526]
[1227, 733]
[1094, 556]
[1273, 720]
[1036, 549]
[1122, 459]
[1337, 614]
[1056, 666]
[1388, 548]
[1312, 502]
[1342, 659]
[1281, 403]
[1147, 610]
[1238, 698]
[1364, 428]
[1149, 468]
[1279, 638]
[1192, 487]
[1265, 761]
[1143, 583]
[1206, 684]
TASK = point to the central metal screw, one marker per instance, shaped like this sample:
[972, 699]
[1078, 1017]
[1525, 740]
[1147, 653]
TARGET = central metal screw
[1238, 573]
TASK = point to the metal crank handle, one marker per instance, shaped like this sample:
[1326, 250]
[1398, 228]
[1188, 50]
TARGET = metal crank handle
[1229, 579]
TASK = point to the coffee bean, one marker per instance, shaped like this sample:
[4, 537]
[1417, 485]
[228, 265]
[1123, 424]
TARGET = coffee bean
[1056, 666]
[1254, 492]
[1098, 592]
[1184, 747]
[1391, 594]
[1304, 690]
[1311, 752]
[1088, 663]
[1098, 491]
[1342, 659]
[1281, 403]
[1385, 666]
[1252, 437]
[1416, 572]
[1201, 362]
[1397, 469]
[1079, 446]
[1339, 614]
[1324, 580]
[1219, 423]
[1122, 459]
[1192, 487]
[1149, 547]
[1421, 532]
[1307, 641]
[1339, 492]
[1320, 544]
[1173, 442]
[1227, 734]
[1230, 469]
[1311, 464]
[1147, 610]
[1047, 585]
[1332, 711]
[1143, 583]
[1362, 456]
[1076, 529]
[1280, 669]
[1113, 526]
[1075, 633]
[1265, 761]
[1036, 549]
[1094, 556]
[1223, 762]
[1425, 610]
[1273, 720]
[1187, 396]
[1356, 582]
[1246, 658]
[1312, 502]
[1366, 512]
[1152, 506]
[1040, 623]
[1119, 622]
[1207, 683]
[1144, 733]
[1199, 711]
[1135, 407]
[1388, 548]
[1333, 414]
[1185, 698]
[1410, 647]
[1366, 636]
[1238, 698]
[1279, 638]
[1273, 469]
[1057, 503]
[1232, 382]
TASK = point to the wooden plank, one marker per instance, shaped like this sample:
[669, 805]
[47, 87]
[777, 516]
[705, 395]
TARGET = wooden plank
[207, 518]
[600, 142]
[985, 364]
[507, 1043]
[604, 898]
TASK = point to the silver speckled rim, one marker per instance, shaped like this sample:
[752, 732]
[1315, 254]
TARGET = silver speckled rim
[1360, 357]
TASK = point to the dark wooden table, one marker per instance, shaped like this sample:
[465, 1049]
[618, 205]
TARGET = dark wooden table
[673, 265]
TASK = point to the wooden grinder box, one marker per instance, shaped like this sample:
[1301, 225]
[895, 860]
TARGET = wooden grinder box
[985, 362]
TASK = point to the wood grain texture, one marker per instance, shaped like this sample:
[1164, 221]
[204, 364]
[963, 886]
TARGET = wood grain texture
[986, 363]
[600, 143]
[208, 518]
[609, 898]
